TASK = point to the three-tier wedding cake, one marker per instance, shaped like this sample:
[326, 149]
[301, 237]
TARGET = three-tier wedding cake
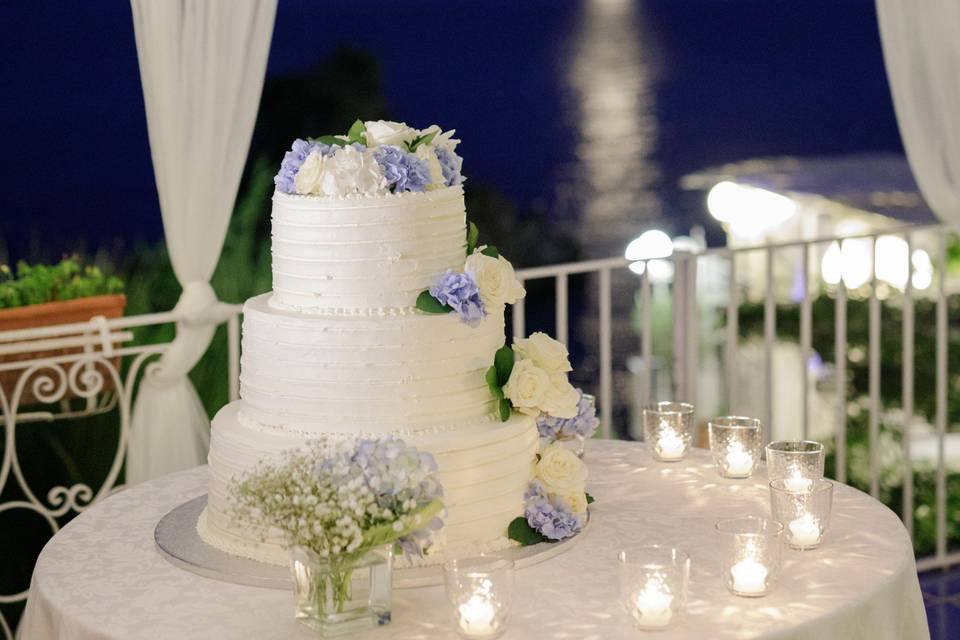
[380, 323]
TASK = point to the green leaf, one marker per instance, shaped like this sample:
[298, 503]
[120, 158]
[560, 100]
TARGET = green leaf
[505, 409]
[521, 531]
[420, 140]
[503, 361]
[428, 304]
[491, 251]
[385, 533]
[331, 140]
[357, 132]
[472, 235]
[590, 499]
[493, 384]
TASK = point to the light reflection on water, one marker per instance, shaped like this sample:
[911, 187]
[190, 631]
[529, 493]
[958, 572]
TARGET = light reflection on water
[610, 79]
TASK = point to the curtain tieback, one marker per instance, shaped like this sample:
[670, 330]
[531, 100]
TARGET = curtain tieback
[198, 313]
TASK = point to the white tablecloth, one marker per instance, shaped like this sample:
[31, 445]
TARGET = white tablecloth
[102, 577]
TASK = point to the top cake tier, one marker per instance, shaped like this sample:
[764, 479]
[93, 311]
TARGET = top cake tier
[364, 255]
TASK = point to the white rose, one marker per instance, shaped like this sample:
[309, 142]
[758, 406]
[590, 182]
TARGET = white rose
[546, 353]
[561, 398]
[576, 500]
[495, 278]
[560, 471]
[381, 132]
[428, 155]
[527, 387]
[350, 172]
[308, 176]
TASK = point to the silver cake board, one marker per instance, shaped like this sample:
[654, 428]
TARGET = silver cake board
[179, 542]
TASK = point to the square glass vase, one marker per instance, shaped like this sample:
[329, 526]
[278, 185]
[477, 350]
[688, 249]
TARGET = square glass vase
[343, 594]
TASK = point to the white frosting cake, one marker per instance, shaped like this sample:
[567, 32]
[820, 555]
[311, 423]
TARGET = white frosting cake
[338, 351]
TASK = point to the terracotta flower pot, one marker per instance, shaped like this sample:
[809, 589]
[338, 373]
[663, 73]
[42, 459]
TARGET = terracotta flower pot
[48, 314]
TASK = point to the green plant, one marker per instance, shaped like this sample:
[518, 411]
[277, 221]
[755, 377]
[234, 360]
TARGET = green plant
[67, 280]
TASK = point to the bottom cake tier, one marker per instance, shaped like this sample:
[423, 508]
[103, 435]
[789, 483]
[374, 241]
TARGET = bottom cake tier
[484, 468]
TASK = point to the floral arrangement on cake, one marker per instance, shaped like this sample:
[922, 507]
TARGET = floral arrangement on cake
[583, 425]
[372, 158]
[367, 494]
[531, 377]
[487, 281]
[556, 501]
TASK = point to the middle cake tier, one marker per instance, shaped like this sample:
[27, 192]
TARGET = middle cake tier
[365, 375]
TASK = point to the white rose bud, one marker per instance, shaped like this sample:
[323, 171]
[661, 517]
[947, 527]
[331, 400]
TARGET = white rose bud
[307, 180]
[495, 278]
[547, 353]
[560, 471]
[527, 387]
[446, 141]
[383, 132]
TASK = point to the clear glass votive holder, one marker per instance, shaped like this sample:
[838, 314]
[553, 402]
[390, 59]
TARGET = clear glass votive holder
[668, 430]
[749, 550]
[653, 585]
[341, 595]
[479, 590]
[796, 462]
[736, 444]
[805, 514]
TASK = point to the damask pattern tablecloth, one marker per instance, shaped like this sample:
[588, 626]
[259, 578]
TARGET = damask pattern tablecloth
[102, 577]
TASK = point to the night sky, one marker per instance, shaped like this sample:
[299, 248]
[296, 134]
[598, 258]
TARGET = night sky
[735, 79]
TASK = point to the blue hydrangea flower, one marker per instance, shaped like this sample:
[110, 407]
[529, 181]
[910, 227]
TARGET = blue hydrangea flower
[393, 471]
[461, 293]
[293, 160]
[451, 164]
[404, 171]
[551, 518]
[584, 424]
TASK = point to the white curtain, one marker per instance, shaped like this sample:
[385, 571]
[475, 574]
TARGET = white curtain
[921, 48]
[202, 64]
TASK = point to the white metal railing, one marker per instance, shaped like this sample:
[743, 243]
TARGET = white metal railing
[686, 336]
[94, 364]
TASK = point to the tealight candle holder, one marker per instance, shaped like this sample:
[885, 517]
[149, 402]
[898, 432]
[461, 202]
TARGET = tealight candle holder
[737, 445]
[479, 590]
[798, 463]
[668, 430]
[804, 514]
[749, 554]
[653, 585]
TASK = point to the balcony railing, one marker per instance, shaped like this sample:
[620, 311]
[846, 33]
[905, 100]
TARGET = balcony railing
[687, 333]
[101, 364]
[74, 371]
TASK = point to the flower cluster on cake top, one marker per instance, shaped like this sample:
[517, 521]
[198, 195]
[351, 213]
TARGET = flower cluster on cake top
[373, 158]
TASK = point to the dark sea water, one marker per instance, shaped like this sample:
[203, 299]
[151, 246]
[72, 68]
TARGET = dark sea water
[590, 110]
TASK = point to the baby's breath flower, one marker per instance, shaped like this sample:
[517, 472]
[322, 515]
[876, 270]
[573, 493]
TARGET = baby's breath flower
[328, 503]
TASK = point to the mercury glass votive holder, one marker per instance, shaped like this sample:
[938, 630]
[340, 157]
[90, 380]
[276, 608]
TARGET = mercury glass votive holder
[479, 590]
[797, 462]
[804, 514]
[749, 549]
[736, 444]
[653, 585]
[668, 430]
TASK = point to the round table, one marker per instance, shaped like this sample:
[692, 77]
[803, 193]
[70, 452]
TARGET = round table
[102, 577]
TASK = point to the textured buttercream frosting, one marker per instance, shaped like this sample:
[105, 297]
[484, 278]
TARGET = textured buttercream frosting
[363, 255]
[484, 468]
[373, 374]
